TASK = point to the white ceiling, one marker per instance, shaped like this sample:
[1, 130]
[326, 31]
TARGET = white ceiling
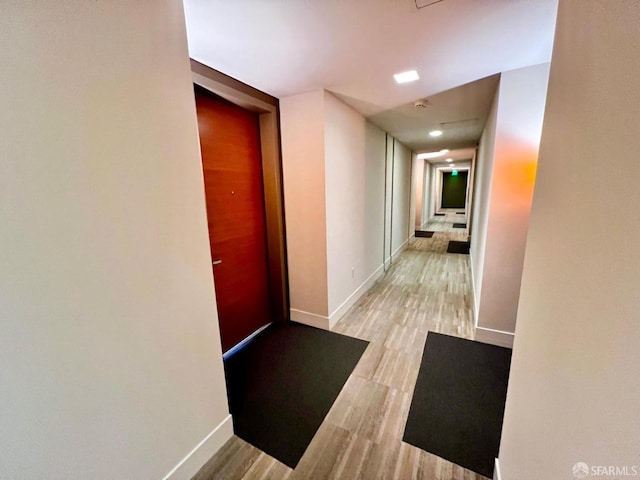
[457, 155]
[353, 47]
[460, 113]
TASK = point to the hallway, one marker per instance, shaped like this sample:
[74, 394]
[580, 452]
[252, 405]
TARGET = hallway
[425, 290]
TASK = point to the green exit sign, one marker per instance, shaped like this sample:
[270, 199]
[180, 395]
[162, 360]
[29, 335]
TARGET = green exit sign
[454, 173]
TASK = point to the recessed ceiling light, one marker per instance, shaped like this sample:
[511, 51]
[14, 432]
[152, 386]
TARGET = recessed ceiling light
[452, 165]
[449, 160]
[405, 77]
[433, 154]
[435, 133]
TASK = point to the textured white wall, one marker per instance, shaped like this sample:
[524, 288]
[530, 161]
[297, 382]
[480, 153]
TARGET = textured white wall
[110, 348]
[573, 391]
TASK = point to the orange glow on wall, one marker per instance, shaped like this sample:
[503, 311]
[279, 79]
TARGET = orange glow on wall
[515, 178]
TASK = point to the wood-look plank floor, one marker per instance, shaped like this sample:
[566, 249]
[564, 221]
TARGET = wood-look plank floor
[361, 437]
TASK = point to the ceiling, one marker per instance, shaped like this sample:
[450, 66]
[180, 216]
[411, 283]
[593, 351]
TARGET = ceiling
[457, 155]
[353, 47]
[460, 113]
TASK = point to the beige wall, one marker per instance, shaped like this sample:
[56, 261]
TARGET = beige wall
[303, 153]
[110, 349]
[505, 200]
[573, 391]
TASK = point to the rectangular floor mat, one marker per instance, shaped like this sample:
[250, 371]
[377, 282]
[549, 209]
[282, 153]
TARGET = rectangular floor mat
[458, 403]
[283, 383]
[458, 247]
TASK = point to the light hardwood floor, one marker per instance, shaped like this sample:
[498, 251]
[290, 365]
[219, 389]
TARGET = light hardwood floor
[361, 437]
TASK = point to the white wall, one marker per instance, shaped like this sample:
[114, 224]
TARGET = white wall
[470, 186]
[303, 152]
[480, 218]
[506, 201]
[573, 391]
[354, 185]
[417, 193]
[401, 222]
[335, 169]
[110, 349]
[433, 187]
[374, 195]
[388, 195]
[427, 194]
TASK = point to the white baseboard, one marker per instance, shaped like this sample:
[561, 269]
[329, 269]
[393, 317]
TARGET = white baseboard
[202, 452]
[389, 260]
[327, 323]
[494, 337]
[399, 250]
[308, 318]
[339, 312]
[483, 334]
[496, 471]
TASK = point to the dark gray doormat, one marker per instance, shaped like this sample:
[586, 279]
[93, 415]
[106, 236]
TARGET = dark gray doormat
[458, 247]
[424, 233]
[283, 383]
[458, 402]
[459, 225]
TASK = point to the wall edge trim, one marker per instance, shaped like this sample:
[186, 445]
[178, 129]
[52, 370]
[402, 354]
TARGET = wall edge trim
[473, 291]
[496, 471]
[495, 337]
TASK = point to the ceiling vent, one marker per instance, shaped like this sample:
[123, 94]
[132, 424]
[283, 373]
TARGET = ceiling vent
[424, 103]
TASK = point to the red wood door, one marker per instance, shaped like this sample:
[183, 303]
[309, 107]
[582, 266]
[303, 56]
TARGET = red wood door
[232, 165]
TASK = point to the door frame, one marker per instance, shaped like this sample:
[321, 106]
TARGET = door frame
[268, 110]
[440, 170]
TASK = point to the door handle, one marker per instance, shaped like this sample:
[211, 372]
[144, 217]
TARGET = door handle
[217, 261]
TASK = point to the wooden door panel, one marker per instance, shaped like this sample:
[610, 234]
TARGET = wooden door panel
[232, 167]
